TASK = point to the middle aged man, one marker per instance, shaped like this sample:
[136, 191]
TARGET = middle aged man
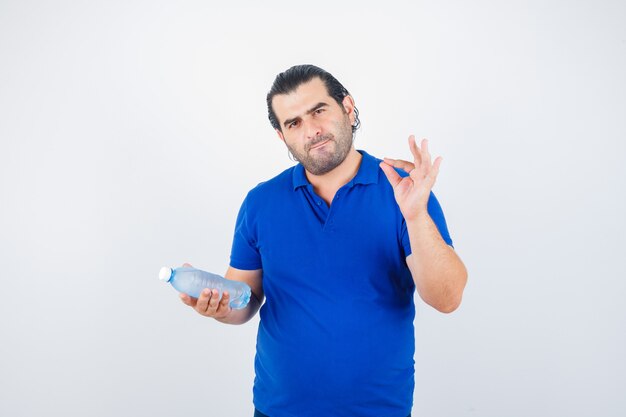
[337, 245]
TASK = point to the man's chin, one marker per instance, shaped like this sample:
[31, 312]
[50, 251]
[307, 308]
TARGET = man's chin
[322, 168]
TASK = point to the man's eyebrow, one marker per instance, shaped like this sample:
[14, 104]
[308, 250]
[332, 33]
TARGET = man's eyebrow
[293, 119]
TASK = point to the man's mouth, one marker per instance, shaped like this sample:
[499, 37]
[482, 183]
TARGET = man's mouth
[320, 144]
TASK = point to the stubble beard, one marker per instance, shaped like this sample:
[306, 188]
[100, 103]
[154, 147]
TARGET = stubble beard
[322, 161]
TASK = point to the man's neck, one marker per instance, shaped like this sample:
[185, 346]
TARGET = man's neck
[338, 177]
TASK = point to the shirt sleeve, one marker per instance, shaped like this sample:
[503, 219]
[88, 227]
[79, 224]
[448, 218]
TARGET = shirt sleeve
[245, 253]
[436, 213]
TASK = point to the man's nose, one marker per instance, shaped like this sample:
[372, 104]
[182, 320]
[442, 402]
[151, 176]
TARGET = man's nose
[312, 129]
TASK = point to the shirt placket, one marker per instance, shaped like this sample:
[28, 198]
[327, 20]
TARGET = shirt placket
[335, 208]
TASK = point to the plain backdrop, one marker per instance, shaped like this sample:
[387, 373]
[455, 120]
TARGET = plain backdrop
[130, 132]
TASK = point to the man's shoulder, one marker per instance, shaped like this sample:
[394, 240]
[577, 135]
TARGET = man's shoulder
[378, 160]
[273, 187]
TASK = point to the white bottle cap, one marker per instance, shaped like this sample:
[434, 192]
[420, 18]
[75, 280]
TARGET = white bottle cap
[165, 274]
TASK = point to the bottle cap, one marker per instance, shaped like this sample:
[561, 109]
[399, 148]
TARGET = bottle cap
[165, 274]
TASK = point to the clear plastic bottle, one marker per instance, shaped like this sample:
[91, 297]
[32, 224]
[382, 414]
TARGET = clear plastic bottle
[192, 281]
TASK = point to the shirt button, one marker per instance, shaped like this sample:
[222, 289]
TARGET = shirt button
[319, 203]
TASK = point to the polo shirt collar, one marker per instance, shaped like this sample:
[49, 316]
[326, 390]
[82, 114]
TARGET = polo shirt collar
[367, 173]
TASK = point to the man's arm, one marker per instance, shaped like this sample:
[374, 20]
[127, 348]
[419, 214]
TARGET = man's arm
[438, 272]
[209, 305]
[255, 280]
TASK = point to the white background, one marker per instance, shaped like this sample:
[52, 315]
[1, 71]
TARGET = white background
[131, 131]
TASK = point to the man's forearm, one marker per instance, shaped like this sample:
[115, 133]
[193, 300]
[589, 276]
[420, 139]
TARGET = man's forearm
[438, 272]
[242, 315]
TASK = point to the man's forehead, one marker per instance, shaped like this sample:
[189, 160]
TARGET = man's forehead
[301, 99]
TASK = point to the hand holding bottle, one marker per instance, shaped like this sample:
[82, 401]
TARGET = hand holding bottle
[209, 304]
[202, 291]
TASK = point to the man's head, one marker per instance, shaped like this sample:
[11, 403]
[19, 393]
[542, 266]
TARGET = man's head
[314, 115]
[288, 81]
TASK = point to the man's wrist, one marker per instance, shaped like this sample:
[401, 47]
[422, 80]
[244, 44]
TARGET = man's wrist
[417, 215]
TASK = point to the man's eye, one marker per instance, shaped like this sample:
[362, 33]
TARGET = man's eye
[318, 111]
[293, 124]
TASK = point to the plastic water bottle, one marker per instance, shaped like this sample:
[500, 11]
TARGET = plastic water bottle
[192, 281]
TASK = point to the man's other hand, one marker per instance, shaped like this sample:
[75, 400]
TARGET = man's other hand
[208, 304]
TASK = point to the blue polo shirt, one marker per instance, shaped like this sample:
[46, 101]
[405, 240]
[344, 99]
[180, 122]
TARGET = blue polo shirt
[336, 334]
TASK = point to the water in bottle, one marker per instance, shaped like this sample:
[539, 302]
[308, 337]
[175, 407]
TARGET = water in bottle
[192, 281]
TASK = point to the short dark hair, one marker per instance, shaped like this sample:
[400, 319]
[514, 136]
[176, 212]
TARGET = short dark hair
[288, 81]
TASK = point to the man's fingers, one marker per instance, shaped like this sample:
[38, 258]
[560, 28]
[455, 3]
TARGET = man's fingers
[415, 150]
[399, 163]
[391, 174]
[435, 171]
[213, 302]
[425, 155]
[203, 301]
[225, 299]
[224, 303]
[208, 302]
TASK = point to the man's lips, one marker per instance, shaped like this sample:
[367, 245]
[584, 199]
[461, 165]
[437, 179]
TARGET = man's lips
[319, 144]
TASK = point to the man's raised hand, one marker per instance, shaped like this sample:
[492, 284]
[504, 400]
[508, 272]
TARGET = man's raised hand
[412, 192]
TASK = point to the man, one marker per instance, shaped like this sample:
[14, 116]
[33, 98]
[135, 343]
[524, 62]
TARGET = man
[338, 252]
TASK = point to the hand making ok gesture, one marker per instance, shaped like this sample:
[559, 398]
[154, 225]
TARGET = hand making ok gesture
[412, 192]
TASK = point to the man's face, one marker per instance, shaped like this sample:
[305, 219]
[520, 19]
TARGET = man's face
[315, 128]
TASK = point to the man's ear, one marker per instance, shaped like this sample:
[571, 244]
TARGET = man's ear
[280, 134]
[348, 106]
